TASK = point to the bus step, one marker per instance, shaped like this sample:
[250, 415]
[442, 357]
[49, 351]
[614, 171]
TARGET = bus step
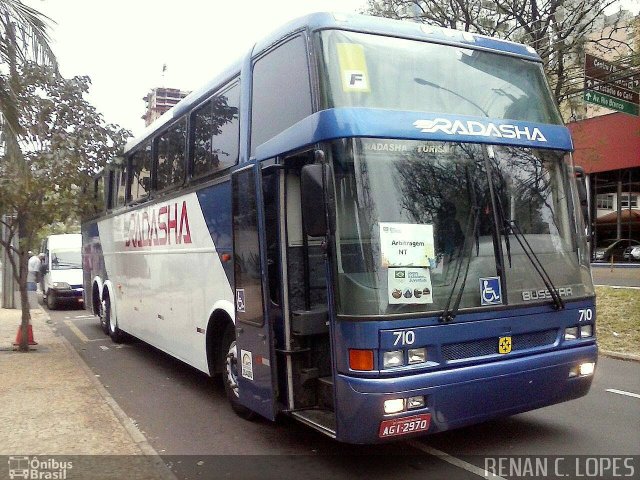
[325, 392]
[322, 420]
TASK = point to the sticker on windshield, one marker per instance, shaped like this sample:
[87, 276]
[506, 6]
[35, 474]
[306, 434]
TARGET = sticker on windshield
[490, 291]
[406, 245]
[353, 67]
[409, 286]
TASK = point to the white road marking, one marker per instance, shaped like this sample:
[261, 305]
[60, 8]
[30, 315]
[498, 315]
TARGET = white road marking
[82, 316]
[481, 472]
[104, 347]
[622, 392]
[618, 286]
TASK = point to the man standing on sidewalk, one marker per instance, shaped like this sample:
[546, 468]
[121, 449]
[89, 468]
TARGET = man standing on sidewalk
[32, 278]
[34, 269]
[42, 270]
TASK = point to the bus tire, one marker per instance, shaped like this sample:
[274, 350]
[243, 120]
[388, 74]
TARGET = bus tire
[115, 333]
[230, 373]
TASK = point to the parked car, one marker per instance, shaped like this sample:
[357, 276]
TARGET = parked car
[614, 249]
[635, 253]
[62, 270]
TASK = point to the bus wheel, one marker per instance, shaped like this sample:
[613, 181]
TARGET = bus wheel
[115, 333]
[230, 373]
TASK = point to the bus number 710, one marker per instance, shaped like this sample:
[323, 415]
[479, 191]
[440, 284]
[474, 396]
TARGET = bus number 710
[406, 337]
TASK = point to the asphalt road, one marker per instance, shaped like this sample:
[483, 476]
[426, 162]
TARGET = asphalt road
[186, 418]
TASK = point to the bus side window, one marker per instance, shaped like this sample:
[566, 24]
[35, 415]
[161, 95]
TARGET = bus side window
[119, 187]
[281, 91]
[170, 166]
[216, 133]
[139, 175]
[99, 194]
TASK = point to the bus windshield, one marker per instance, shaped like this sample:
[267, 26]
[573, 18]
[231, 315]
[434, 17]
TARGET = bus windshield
[412, 214]
[375, 71]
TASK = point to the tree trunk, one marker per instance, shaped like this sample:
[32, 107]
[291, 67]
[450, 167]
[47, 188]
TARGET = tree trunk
[24, 303]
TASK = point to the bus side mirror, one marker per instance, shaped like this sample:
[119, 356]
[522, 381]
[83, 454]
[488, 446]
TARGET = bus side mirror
[581, 180]
[313, 200]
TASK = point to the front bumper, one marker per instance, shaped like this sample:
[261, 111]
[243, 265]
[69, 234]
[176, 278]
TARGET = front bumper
[462, 396]
[73, 294]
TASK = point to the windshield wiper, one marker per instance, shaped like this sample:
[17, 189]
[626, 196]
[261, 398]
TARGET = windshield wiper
[558, 303]
[513, 227]
[470, 233]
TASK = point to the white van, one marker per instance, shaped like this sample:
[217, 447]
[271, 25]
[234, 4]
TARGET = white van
[62, 269]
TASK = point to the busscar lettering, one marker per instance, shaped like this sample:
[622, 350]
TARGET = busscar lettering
[529, 295]
[157, 227]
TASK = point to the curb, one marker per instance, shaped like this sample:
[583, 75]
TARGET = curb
[136, 435]
[620, 356]
[622, 287]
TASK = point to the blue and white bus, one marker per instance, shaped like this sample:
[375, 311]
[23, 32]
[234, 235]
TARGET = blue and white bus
[370, 225]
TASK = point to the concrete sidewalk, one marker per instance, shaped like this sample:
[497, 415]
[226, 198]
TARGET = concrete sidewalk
[52, 405]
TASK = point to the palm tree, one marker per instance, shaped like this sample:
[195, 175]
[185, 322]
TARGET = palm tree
[23, 38]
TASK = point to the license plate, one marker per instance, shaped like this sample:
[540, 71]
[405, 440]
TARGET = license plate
[403, 426]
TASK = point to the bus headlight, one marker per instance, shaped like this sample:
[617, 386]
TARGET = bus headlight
[582, 370]
[587, 368]
[395, 405]
[415, 402]
[394, 358]
[586, 331]
[571, 333]
[417, 355]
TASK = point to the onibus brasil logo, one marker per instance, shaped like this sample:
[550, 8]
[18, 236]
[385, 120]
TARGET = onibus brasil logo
[482, 129]
[34, 468]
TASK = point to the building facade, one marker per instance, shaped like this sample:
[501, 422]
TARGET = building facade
[607, 143]
[159, 100]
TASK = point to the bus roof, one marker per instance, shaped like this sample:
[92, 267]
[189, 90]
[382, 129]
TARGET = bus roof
[341, 21]
[398, 28]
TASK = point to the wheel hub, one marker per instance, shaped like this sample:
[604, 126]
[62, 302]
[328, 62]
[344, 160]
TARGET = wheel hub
[231, 368]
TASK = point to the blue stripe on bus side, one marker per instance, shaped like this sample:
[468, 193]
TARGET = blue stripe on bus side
[215, 203]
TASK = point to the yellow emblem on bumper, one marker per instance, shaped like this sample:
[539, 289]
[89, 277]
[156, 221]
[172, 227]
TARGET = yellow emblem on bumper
[504, 345]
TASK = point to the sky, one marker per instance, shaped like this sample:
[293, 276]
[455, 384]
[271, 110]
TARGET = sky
[122, 45]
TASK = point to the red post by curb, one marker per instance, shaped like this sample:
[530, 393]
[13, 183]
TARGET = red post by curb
[30, 339]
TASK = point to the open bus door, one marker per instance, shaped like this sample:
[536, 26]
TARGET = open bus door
[254, 332]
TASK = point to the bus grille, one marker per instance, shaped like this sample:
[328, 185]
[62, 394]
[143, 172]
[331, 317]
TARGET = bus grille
[489, 346]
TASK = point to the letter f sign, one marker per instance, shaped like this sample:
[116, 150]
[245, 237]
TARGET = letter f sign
[355, 80]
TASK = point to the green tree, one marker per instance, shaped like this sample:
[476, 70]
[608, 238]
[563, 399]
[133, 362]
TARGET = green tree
[45, 169]
[557, 29]
[23, 38]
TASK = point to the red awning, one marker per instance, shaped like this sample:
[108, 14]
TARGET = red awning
[608, 142]
[626, 216]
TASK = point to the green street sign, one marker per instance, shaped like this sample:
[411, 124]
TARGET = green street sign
[613, 103]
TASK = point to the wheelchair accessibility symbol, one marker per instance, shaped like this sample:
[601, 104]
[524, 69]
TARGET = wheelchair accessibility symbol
[490, 291]
[240, 305]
